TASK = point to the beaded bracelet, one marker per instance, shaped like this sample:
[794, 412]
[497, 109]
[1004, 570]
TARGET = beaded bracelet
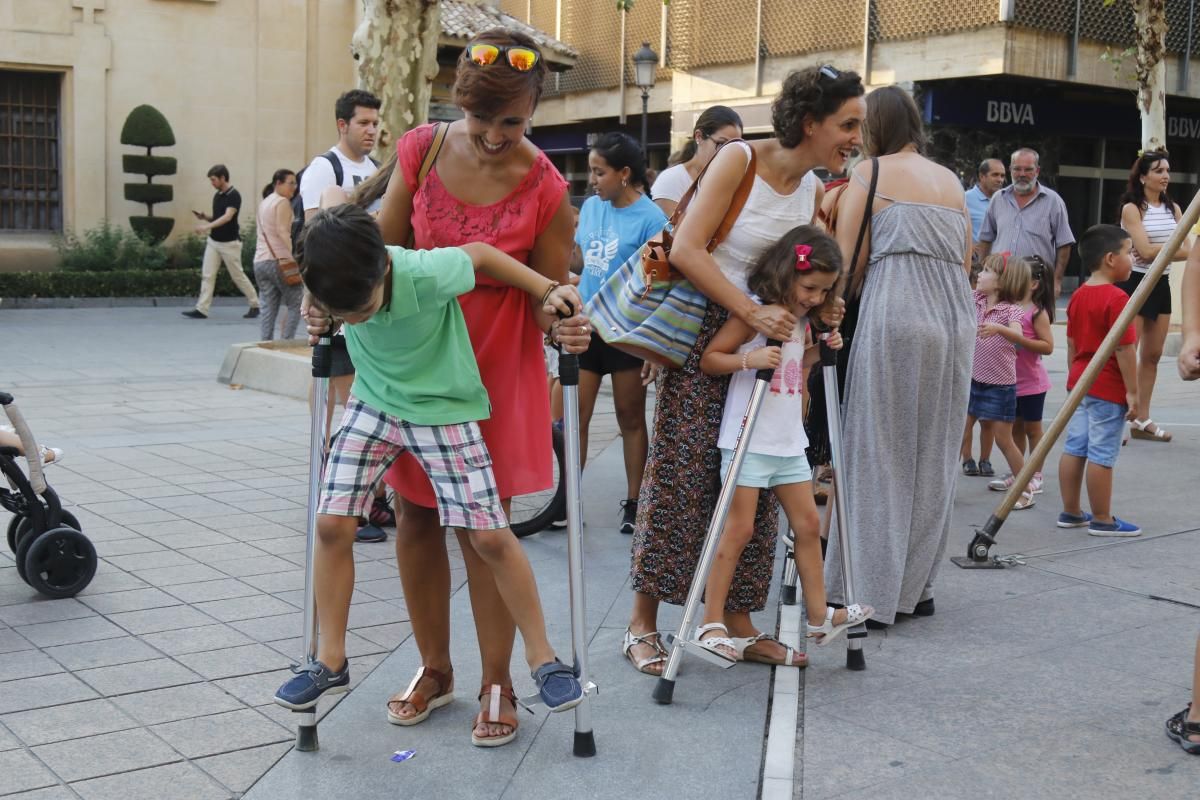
[745, 359]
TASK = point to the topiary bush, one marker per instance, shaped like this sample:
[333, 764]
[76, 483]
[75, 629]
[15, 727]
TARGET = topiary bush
[147, 127]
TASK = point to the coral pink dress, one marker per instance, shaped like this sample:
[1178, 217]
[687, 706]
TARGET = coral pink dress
[504, 334]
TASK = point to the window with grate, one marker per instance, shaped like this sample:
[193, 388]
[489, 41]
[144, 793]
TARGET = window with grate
[30, 167]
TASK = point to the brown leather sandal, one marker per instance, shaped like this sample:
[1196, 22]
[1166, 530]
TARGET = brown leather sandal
[494, 716]
[423, 705]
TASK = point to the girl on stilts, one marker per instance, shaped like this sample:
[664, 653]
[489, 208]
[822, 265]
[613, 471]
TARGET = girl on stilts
[798, 272]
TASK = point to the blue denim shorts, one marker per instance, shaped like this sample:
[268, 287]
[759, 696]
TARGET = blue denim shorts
[767, 472]
[1095, 431]
[993, 402]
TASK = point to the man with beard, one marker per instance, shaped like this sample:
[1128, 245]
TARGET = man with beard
[1027, 219]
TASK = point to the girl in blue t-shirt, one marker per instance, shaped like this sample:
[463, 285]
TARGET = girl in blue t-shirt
[613, 223]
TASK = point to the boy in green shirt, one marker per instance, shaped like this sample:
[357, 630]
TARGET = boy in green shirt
[416, 388]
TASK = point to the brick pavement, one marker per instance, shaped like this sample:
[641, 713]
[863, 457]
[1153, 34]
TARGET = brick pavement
[156, 681]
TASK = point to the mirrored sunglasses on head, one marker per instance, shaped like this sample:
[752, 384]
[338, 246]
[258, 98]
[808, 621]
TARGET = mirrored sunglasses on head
[520, 58]
[829, 71]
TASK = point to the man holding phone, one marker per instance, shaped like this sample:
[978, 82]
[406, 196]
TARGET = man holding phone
[224, 245]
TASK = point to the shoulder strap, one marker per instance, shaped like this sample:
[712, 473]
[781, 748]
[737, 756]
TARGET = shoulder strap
[736, 204]
[439, 136]
[682, 205]
[265, 235]
[854, 284]
[336, 163]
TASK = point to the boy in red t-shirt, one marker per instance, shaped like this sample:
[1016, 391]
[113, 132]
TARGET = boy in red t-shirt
[1095, 430]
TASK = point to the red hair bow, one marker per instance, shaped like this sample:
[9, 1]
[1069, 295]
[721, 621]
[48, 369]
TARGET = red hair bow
[803, 251]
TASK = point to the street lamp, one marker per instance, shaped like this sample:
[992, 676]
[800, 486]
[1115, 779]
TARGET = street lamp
[645, 63]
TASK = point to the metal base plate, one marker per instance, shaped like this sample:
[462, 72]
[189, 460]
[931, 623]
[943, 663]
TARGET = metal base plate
[692, 648]
[533, 702]
[970, 563]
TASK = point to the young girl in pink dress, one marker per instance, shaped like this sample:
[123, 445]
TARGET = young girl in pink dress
[1002, 286]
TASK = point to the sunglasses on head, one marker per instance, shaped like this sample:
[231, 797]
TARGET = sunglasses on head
[520, 58]
[829, 71]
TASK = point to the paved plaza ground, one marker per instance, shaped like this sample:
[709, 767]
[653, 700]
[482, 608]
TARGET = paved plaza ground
[1046, 680]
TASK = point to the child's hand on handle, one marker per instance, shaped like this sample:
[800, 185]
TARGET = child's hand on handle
[833, 339]
[1131, 400]
[764, 358]
[563, 300]
[1189, 358]
[774, 322]
[316, 319]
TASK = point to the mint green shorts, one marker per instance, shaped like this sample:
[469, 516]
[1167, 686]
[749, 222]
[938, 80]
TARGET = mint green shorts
[767, 472]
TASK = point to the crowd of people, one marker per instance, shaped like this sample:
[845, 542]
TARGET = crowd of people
[920, 284]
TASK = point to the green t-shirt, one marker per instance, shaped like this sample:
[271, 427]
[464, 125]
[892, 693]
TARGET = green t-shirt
[413, 359]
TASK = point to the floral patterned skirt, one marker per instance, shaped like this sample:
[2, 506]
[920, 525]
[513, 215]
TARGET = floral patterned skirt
[681, 484]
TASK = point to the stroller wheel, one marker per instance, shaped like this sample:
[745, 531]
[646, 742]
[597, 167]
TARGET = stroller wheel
[60, 563]
[19, 526]
[14, 525]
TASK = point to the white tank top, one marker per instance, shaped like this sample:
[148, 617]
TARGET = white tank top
[1159, 222]
[779, 430]
[765, 218]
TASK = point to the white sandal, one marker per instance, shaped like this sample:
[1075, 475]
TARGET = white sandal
[1138, 431]
[826, 632]
[651, 639]
[47, 451]
[713, 644]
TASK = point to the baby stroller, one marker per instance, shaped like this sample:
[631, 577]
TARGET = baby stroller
[52, 555]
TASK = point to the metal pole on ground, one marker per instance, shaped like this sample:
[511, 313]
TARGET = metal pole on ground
[978, 551]
[855, 659]
[568, 377]
[664, 687]
[322, 362]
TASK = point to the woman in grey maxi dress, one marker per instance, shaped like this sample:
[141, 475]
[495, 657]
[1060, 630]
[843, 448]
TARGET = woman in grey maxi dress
[907, 388]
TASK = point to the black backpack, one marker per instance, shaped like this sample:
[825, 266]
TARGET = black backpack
[298, 201]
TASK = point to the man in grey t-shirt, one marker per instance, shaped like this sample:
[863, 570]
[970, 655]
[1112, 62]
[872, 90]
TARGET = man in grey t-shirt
[1027, 219]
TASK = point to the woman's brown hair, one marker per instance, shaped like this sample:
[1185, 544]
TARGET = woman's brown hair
[893, 122]
[373, 188]
[486, 90]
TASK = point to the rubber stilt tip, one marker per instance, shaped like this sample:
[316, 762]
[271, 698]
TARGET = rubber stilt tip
[789, 595]
[306, 738]
[585, 744]
[664, 691]
[856, 660]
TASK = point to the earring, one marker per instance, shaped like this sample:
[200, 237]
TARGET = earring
[624, 183]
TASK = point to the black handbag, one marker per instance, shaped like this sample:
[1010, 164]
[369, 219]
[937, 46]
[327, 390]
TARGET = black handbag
[816, 424]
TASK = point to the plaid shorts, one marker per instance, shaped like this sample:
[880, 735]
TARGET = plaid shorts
[453, 456]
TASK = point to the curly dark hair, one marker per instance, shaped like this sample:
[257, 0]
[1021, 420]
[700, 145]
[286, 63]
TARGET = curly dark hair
[486, 90]
[772, 275]
[810, 94]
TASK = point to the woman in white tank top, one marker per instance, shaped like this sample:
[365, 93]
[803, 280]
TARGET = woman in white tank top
[1150, 217]
[817, 119]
